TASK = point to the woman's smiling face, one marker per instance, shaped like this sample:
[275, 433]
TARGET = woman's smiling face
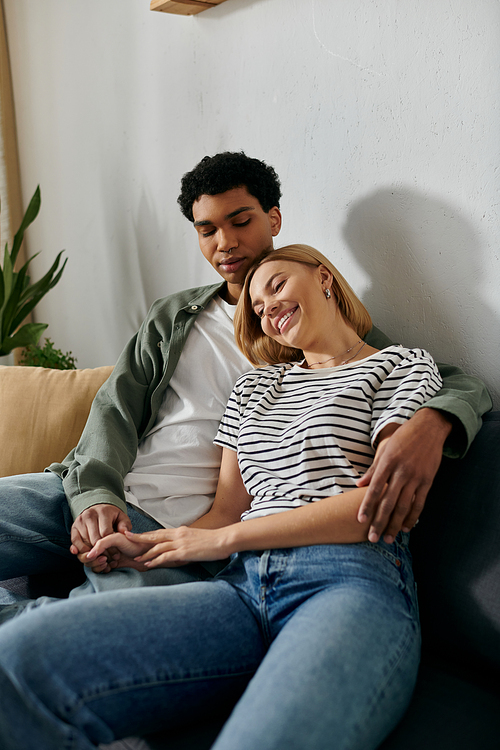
[289, 299]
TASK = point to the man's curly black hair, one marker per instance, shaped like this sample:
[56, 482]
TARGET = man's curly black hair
[225, 171]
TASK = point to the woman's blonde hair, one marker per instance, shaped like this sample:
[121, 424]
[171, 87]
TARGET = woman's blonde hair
[253, 342]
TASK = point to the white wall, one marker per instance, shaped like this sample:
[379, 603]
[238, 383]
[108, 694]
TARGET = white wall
[381, 117]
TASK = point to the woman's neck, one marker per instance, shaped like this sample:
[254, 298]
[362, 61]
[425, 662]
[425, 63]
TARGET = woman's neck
[340, 347]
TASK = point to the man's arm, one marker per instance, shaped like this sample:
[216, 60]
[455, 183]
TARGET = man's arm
[409, 462]
[93, 472]
[126, 406]
[463, 400]
[123, 411]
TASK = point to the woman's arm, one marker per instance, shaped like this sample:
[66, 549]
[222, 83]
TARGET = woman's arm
[332, 520]
[231, 497]
[328, 521]
[220, 533]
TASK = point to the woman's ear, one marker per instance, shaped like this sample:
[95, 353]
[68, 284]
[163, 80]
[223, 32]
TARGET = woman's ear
[326, 277]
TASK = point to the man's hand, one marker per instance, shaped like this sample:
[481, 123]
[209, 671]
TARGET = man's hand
[93, 524]
[407, 463]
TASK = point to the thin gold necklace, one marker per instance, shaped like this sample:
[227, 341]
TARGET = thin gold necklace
[345, 361]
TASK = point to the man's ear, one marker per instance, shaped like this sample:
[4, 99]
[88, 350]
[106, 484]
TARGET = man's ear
[275, 220]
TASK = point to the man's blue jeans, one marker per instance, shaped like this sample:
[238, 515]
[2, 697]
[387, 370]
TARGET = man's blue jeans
[322, 643]
[35, 527]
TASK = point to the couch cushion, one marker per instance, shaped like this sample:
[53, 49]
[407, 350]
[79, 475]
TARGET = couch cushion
[456, 550]
[448, 713]
[42, 414]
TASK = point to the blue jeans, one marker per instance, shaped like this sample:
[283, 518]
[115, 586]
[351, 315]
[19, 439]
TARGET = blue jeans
[35, 527]
[322, 644]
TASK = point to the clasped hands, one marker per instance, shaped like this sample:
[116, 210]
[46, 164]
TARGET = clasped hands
[93, 524]
[163, 548]
[102, 540]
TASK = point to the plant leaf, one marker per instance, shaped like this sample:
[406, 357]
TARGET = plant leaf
[2, 287]
[17, 296]
[7, 319]
[13, 300]
[7, 274]
[32, 295]
[46, 282]
[29, 216]
[7, 288]
[28, 334]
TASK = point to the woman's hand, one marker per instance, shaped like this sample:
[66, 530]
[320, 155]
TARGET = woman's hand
[164, 548]
[116, 551]
[170, 548]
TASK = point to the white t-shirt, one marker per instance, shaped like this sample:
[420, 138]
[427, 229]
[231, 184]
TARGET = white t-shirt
[174, 476]
[302, 435]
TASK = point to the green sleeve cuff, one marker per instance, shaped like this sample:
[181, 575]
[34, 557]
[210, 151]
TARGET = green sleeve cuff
[95, 497]
[466, 423]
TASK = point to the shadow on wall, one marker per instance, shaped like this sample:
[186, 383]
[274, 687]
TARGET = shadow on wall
[424, 263]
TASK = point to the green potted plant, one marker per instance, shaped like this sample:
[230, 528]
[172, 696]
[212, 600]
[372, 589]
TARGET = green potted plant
[17, 296]
[47, 355]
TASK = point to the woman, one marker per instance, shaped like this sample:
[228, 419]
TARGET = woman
[314, 625]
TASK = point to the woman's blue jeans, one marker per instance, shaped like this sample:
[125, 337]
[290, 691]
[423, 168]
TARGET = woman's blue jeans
[322, 644]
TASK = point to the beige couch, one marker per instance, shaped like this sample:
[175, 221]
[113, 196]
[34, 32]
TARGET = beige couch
[42, 414]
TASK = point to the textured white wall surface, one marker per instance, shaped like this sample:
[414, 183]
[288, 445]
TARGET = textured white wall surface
[381, 117]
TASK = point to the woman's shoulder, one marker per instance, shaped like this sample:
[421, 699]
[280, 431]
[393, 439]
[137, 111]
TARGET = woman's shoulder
[263, 373]
[400, 359]
[398, 352]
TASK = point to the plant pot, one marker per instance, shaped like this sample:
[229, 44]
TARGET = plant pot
[8, 359]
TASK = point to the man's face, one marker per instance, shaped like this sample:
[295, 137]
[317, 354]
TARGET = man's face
[233, 230]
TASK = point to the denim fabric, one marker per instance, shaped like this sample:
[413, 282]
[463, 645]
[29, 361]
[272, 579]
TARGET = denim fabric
[322, 643]
[35, 527]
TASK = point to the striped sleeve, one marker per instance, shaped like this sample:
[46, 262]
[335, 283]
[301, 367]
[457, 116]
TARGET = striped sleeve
[412, 382]
[229, 427]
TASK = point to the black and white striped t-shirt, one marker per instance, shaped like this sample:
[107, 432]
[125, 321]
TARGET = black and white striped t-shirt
[302, 435]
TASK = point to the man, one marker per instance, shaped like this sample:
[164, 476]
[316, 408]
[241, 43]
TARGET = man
[146, 458]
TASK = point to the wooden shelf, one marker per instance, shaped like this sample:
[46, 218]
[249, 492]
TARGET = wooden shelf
[184, 7]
